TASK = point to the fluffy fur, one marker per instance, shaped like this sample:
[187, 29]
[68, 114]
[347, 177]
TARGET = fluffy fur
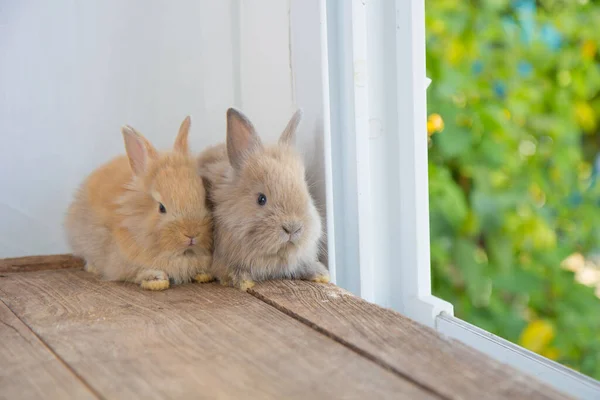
[254, 242]
[115, 221]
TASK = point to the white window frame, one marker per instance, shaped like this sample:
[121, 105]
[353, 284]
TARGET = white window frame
[367, 92]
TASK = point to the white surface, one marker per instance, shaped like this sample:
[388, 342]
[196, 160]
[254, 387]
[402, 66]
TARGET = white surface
[548, 371]
[351, 231]
[368, 254]
[352, 140]
[73, 72]
[379, 142]
[265, 63]
[409, 158]
[308, 34]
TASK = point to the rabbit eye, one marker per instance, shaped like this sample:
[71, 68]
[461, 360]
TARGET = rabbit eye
[262, 199]
[161, 208]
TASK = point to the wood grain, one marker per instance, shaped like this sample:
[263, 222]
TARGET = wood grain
[28, 369]
[411, 350]
[192, 341]
[40, 263]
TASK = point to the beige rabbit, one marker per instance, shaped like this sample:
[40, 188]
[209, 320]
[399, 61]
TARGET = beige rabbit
[143, 217]
[266, 225]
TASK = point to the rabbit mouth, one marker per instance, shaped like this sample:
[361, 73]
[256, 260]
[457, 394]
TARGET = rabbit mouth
[189, 253]
[288, 246]
[288, 243]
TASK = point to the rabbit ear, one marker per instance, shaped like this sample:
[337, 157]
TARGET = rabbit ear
[139, 150]
[181, 143]
[242, 139]
[289, 133]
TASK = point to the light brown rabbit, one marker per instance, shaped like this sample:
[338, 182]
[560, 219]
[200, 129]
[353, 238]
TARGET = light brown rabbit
[143, 217]
[266, 225]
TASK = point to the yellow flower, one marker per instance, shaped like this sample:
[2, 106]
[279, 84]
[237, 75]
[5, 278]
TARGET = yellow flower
[551, 353]
[585, 116]
[537, 335]
[456, 52]
[588, 49]
[435, 124]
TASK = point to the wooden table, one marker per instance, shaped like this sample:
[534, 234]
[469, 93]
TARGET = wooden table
[66, 334]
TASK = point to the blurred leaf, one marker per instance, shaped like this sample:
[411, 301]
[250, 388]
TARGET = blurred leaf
[454, 141]
[448, 200]
[500, 251]
[519, 281]
[513, 171]
[479, 286]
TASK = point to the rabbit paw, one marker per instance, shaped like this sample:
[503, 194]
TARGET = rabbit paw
[156, 284]
[204, 278]
[226, 281]
[245, 284]
[90, 268]
[241, 282]
[320, 279]
[316, 272]
[153, 280]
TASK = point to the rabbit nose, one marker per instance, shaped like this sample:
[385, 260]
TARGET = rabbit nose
[192, 240]
[292, 228]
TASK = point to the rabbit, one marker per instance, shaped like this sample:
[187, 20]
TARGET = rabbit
[266, 225]
[143, 217]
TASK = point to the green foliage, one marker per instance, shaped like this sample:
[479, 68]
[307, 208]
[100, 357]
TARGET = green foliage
[512, 183]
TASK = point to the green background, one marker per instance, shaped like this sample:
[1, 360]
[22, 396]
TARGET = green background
[514, 134]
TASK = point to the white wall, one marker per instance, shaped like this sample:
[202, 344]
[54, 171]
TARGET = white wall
[73, 72]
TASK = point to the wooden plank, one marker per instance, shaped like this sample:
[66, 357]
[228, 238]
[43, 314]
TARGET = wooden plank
[191, 341]
[411, 350]
[28, 369]
[40, 263]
